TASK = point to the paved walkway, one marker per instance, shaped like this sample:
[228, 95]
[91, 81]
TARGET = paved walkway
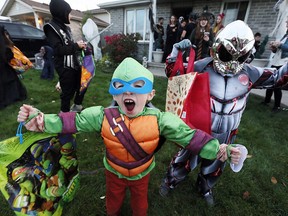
[261, 92]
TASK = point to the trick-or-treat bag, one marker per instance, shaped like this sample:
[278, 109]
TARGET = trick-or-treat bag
[188, 93]
[20, 62]
[38, 176]
[87, 70]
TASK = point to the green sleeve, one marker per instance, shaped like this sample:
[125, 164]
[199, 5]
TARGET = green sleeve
[89, 120]
[174, 129]
[53, 123]
[210, 150]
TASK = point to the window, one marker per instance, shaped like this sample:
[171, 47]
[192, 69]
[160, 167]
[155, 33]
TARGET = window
[236, 11]
[136, 21]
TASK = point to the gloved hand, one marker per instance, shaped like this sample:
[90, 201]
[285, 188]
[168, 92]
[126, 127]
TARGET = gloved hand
[186, 43]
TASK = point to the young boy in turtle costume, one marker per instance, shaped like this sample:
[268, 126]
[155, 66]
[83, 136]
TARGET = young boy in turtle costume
[131, 132]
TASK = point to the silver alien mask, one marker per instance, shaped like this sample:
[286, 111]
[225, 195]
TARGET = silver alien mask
[232, 47]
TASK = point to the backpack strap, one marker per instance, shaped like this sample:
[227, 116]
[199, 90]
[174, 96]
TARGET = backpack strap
[119, 129]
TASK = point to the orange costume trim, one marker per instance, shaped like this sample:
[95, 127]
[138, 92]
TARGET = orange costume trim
[145, 131]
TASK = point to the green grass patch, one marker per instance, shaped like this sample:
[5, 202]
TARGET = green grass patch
[249, 192]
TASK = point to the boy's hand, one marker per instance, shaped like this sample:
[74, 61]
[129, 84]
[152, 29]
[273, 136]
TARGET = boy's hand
[25, 112]
[222, 154]
[235, 155]
[234, 152]
[33, 118]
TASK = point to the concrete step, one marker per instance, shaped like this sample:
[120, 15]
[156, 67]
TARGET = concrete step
[155, 64]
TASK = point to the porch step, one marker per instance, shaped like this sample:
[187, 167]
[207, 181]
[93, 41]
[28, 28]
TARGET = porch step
[156, 65]
[156, 68]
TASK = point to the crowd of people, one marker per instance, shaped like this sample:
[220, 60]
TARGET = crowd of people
[197, 28]
[201, 33]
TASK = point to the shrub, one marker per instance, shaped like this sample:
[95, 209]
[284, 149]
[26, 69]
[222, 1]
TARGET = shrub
[120, 46]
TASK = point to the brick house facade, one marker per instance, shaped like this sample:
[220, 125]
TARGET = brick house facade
[258, 14]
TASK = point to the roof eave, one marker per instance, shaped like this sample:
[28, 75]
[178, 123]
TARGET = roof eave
[121, 3]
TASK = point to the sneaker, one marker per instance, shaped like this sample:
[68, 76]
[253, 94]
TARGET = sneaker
[208, 197]
[164, 190]
[76, 108]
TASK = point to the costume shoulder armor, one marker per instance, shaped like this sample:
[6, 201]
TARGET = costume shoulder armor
[54, 27]
[201, 64]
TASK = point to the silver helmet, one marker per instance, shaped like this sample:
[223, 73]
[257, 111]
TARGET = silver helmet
[232, 47]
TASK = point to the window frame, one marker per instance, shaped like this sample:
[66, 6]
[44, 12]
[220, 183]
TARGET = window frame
[235, 1]
[146, 25]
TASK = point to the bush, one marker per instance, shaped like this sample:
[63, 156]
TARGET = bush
[120, 46]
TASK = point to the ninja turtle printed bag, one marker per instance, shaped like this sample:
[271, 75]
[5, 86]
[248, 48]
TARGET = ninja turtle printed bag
[38, 176]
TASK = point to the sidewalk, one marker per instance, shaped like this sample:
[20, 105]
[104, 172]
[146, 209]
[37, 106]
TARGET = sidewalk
[157, 71]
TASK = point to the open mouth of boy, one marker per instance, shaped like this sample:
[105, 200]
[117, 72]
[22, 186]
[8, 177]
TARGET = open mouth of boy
[129, 104]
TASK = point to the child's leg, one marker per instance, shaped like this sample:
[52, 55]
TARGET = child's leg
[139, 196]
[115, 193]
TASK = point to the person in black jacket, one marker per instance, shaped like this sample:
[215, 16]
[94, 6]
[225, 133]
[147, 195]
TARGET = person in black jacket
[65, 55]
[11, 88]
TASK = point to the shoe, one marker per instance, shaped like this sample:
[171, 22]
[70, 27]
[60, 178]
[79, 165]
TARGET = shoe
[164, 190]
[208, 197]
[205, 190]
[276, 109]
[76, 108]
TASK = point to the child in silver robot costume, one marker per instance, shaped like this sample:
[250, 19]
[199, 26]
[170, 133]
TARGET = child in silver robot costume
[231, 79]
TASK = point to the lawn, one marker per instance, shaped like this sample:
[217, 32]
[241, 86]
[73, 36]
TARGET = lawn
[260, 188]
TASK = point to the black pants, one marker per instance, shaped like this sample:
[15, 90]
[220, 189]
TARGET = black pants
[70, 86]
[277, 94]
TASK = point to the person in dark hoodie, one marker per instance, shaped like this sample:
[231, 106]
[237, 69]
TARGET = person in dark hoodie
[65, 55]
[48, 69]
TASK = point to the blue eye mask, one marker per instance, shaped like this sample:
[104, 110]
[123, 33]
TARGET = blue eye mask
[128, 86]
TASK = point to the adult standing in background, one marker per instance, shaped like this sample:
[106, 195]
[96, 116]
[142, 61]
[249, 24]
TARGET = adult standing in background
[202, 37]
[191, 25]
[280, 48]
[171, 36]
[158, 34]
[65, 55]
[11, 88]
[218, 25]
[48, 68]
[181, 30]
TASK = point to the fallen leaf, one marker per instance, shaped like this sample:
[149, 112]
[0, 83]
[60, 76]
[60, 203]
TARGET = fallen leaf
[246, 195]
[284, 184]
[274, 180]
[85, 140]
[249, 156]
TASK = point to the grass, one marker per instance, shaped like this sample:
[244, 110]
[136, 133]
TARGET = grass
[249, 192]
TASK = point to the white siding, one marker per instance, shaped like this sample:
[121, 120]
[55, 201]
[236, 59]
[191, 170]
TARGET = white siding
[18, 9]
